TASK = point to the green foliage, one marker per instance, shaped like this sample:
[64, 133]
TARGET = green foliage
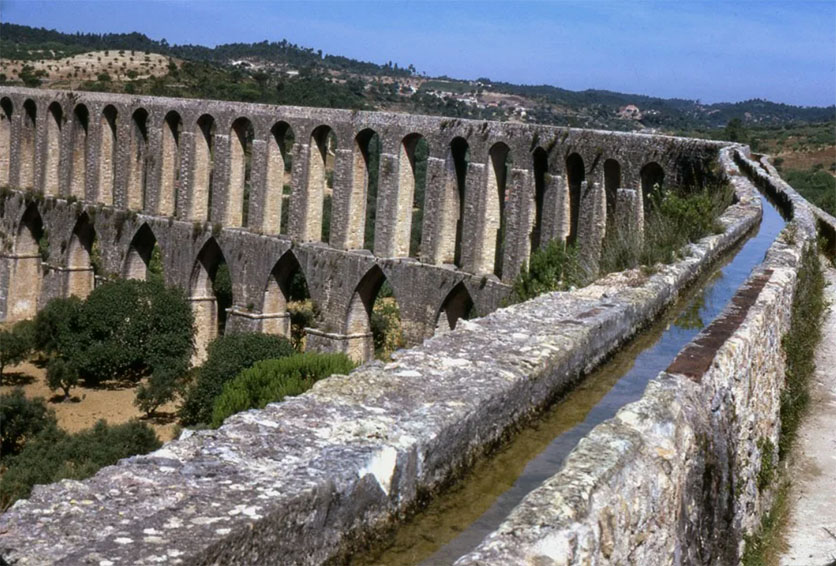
[227, 356]
[799, 345]
[302, 316]
[814, 184]
[269, 381]
[20, 420]
[767, 468]
[385, 322]
[57, 326]
[554, 267]
[53, 454]
[16, 343]
[735, 131]
[61, 374]
[222, 288]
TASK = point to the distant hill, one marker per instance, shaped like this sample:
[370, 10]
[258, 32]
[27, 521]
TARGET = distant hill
[285, 73]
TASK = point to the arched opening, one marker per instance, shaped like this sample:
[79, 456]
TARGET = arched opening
[78, 173]
[26, 274]
[458, 158]
[541, 167]
[170, 170]
[287, 308]
[323, 144]
[144, 260]
[373, 312]
[240, 163]
[80, 267]
[26, 155]
[575, 176]
[364, 176]
[412, 184]
[5, 140]
[493, 245]
[138, 160]
[457, 305]
[279, 157]
[201, 201]
[52, 160]
[652, 178]
[612, 181]
[107, 155]
[210, 292]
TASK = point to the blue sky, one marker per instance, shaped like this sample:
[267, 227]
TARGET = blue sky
[712, 51]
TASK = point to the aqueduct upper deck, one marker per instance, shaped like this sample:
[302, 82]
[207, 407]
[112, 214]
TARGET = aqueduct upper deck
[208, 181]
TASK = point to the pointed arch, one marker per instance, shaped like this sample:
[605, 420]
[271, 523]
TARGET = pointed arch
[52, 158]
[575, 176]
[107, 154]
[412, 184]
[279, 150]
[202, 173]
[170, 164]
[367, 295]
[458, 304]
[612, 182]
[458, 157]
[78, 151]
[241, 135]
[6, 109]
[80, 276]
[496, 195]
[285, 283]
[362, 208]
[26, 275]
[26, 155]
[653, 179]
[137, 167]
[140, 253]
[540, 166]
[207, 306]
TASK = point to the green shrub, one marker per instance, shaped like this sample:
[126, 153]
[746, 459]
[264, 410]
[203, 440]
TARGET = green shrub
[57, 326]
[54, 454]
[61, 374]
[385, 322]
[227, 357]
[16, 343]
[269, 381]
[554, 267]
[20, 420]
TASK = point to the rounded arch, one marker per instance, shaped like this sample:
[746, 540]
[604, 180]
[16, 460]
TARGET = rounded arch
[279, 166]
[170, 164]
[540, 166]
[286, 284]
[457, 305]
[612, 182]
[364, 184]
[26, 275]
[80, 269]
[373, 295]
[6, 110]
[412, 183]
[140, 261]
[496, 195]
[241, 135]
[26, 155]
[209, 296]
[52, 159]
[652, 178]
[78, 151]
[575, 177]
[107, 154]
[202, 168]
[137, 166]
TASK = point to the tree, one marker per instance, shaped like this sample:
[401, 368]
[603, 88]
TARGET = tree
[735, 131]
[227, 356]
[16, 344]
[20, 420]
[61, 374]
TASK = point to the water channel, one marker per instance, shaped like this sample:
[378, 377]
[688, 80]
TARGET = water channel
[457, 520]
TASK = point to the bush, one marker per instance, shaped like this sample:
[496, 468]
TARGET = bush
[57, 326]
[16, 344]
[61, 374]
[53, 455]
[554, 267]
[385, 323]
[20, 420]
[269, 381]
[227, 357]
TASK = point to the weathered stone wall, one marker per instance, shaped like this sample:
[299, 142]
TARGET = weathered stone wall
[673, 477]
[305, 480]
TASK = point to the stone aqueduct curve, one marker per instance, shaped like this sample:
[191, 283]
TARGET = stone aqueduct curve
[127, 172]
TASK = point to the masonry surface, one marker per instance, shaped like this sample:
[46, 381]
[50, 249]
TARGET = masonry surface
[306, 480]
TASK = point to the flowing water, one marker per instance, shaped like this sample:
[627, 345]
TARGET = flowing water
[458, 519]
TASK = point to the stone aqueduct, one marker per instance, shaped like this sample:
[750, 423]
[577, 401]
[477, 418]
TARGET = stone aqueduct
[110, 176]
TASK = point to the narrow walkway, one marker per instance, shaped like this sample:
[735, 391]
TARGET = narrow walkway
[811, 528]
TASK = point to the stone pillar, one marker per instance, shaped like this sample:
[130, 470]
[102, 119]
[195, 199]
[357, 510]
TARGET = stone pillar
[184, 196]
[297, 219]
[385, 232]
[592, 225]
[433, 234]
[220, 178]
[240, 320]
[257, 207]
[519, 218]
[472, 218]
[205, 310]
[347, 214]
[629, 215]
[153, 167]
[358, 347]
[23, 286]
